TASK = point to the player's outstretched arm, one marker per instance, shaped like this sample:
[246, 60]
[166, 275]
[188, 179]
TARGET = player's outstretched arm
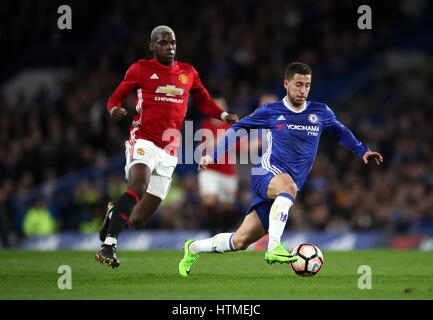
[234, 134]
[204, 161]
[117, 113]
[374, 155]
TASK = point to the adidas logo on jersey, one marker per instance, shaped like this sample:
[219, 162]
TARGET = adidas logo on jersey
[154, 76]
[281, 118]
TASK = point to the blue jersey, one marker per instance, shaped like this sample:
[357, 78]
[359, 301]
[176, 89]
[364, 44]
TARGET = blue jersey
[292, 135]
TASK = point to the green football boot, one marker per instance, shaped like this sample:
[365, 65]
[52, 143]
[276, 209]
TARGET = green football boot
[188, 260]
[280, 255]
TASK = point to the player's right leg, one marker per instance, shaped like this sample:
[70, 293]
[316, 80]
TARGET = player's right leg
[282, 190]
[249, 232]
[106, 222]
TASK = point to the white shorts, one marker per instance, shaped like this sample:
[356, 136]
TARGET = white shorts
[160, 163]
[222, 185]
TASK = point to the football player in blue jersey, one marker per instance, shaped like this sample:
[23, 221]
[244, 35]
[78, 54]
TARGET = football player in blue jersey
[294, 126]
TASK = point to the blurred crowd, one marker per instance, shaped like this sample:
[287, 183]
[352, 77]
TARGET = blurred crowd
[240, 50]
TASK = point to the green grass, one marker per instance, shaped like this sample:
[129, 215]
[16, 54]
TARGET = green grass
[242, 275]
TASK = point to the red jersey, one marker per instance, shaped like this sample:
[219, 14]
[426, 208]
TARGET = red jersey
[162, 99]
[226, 167]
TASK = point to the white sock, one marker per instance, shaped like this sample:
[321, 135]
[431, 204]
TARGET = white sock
[110, 241]
[278, 218]
[219, 243]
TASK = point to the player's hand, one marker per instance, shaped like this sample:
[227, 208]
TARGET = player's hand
[117, 113]
[231, 118]
[204, 161]
[375, 155]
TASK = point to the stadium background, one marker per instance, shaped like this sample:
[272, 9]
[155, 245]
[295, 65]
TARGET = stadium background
[61, 156]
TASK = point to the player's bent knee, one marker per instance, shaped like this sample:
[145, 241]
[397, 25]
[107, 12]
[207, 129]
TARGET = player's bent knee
[136, 222]
[138, 188]
[282, 183]
[241, 243]
[291, 188]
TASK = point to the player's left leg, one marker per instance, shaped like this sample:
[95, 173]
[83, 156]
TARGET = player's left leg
[141, 159]
[249, 232]
[149, 178]
[120, 212]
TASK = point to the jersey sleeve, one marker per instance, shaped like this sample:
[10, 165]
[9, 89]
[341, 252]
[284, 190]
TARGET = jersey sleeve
[257, 120]
[342, 134]
[202, 99]
[128, 84]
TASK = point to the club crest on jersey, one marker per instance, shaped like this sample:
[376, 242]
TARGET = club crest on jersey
[140, 151]
[313, 118]
[183, 79]
[169, 90]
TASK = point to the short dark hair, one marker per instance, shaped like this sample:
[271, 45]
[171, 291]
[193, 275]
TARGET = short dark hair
[296, 67]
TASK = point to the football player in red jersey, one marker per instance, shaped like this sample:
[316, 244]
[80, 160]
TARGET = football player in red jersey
[219, 184]
[162, 85]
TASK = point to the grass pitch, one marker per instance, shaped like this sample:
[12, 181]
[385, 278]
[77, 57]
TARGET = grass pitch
[154, 275]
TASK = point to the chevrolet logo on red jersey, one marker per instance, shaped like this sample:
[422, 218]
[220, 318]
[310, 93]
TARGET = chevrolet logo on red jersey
[170, 90]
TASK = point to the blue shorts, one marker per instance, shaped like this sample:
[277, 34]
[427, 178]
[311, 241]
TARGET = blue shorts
[261, 203]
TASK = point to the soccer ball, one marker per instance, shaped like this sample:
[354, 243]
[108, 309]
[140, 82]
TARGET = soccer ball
[310, 260]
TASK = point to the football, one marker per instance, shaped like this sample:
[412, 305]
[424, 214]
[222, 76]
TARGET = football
[310, 260]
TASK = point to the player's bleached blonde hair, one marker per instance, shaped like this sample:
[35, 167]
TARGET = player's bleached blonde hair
[157, 31]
